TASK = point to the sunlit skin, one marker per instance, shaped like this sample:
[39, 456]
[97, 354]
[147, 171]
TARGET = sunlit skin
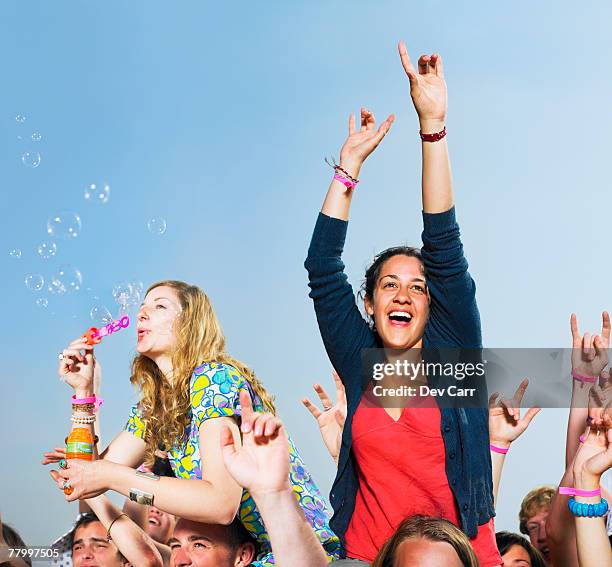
[421, 552]
[516, 556]
[90, 548]
[536, 526]
[156, 326]
[401, 287]
[159, 524]
[205, 545]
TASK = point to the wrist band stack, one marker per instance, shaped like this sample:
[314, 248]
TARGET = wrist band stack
[92, 402]
[583, 379]
[497, 449]
[345, 177]
[340, 174]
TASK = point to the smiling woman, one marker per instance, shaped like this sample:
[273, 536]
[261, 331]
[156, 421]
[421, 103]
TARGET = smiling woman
[414, 299]
[190, 388]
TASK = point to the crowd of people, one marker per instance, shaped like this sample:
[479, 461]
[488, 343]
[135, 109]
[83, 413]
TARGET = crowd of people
[211, 477]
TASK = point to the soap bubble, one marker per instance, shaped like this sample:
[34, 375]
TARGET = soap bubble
[68, 279]
[98, 193]
[55, 287]
[34, 282]
[42, 302]
[47, 249]
[122, 291]
[100, 315]
[15, 253]
[36, 136]
[64, 225]
[157, 225]
[20, 118]
[31, 159]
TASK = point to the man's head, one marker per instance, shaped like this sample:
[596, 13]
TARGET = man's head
[89, 545]
[532, 517]
[210, 545]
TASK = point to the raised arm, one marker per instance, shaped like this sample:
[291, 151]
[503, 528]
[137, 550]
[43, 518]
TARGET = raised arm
[505, 426]
[212, 500]
[429, 96]
[133, 543]
[261, 465]
[589, 357]
[594, 457]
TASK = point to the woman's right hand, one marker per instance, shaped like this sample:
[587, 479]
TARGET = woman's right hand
[361, 143]
[77, 368]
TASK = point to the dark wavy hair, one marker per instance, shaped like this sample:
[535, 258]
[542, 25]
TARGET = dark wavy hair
[506, 540]
[373, 271]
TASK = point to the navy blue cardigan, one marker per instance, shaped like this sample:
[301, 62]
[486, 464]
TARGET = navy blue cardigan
[453, 321]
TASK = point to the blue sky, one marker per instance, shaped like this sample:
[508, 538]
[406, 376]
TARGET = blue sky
[217, 116]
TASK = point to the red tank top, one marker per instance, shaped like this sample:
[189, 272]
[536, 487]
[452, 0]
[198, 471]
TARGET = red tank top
[401, 471]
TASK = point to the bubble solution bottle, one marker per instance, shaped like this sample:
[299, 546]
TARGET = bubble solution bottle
[79, 445]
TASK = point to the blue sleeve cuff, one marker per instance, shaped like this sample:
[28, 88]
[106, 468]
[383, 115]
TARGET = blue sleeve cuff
[438, 223]
[328, 237]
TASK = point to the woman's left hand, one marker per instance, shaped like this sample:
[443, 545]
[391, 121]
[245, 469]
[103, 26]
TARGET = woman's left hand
[87, 478]
[505, 422]
[427, 87]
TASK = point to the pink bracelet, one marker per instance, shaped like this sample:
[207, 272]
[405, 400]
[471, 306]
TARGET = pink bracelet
[349, 184]
[577, 492]
[497, 449]
[583, 379]
[90, 400]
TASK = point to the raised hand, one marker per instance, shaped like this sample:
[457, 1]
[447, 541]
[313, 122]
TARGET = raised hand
[361, 143]
[331, 419]
[427, 88]
[77, 365]
[505, 422]
[261, 465]
[594, 456]
[590, 352]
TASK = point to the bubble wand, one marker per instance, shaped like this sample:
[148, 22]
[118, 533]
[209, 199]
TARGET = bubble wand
[94, 335]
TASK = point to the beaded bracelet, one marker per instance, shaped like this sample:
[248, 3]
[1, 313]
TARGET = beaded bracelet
[83, 420]
[584, 510]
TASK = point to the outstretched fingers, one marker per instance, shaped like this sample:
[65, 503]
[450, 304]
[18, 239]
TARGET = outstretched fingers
[246, 410]
[576, 338]
[436, 64]
[406, 63]
[351, 124]
[605, 326]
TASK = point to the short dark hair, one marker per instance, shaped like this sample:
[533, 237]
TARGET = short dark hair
[506, 540]
[14, 540]
[84, 520]
[238, 535]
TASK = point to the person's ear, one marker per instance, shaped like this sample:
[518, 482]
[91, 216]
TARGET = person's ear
[245, 555]
[369, 306]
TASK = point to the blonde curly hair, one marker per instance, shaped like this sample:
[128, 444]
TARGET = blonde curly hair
[165, 404]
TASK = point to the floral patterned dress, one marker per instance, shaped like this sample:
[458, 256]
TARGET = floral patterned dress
[214, 391]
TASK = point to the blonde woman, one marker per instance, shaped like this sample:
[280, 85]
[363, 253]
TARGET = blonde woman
[189, 393]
